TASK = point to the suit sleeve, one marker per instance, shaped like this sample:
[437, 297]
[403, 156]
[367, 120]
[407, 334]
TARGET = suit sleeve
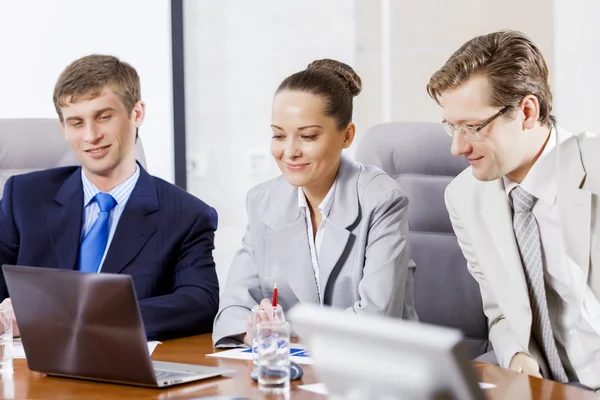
[237, 299]
[193, 303]
[387, 283]
[504, 340]
[9, 235]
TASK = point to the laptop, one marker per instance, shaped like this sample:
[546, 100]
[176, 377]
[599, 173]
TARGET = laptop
[373, 357]
[89, 326]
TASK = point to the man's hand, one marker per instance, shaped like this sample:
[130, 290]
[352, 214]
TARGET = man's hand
[7, 304]
[521, 362]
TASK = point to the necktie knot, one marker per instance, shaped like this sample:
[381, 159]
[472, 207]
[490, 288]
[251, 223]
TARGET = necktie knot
[522, 201]
[105, 202]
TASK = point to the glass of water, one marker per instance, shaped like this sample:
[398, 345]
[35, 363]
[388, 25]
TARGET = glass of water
[273, 351]
[259, 314]
[6, 339]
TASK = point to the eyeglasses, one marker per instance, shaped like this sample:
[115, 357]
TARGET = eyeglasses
[471, 132]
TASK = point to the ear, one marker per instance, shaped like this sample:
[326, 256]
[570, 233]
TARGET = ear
[531, 111]
[139, 113]
[349, 133]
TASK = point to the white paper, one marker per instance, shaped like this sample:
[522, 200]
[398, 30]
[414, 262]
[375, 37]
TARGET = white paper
[152, 346]
[320, 388]
[484, 385]
[246, 354]
[19, 352]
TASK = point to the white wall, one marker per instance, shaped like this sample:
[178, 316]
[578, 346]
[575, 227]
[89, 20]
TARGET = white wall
[577, 64]
[39, 38]
[237, 53]
[420, 37]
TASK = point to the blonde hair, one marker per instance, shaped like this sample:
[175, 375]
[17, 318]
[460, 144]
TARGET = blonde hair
[88, 76]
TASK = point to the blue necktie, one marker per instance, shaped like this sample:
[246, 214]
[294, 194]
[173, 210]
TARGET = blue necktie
[93, 245]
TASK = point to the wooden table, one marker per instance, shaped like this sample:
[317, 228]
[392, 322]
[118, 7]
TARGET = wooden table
[26, 384]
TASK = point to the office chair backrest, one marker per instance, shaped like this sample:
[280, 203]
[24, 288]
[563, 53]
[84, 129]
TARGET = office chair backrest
[417, 155]
[32, 144]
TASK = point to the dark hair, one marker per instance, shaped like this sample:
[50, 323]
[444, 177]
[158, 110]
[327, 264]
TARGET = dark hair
[333, 81]
[514, 67]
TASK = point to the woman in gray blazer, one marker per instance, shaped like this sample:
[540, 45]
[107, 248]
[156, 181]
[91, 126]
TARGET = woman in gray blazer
[329, 230]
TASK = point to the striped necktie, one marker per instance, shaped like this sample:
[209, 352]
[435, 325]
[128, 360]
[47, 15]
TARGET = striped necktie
[528, 238]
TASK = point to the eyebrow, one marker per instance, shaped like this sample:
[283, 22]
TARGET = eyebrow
[96, 114]
[102, 111]
[301, 128]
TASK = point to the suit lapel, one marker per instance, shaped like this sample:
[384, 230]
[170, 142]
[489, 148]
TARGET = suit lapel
[64, 221]
[344, 212]
[574, 204]
[497, 215]
[333, 246]
[286, 247]
[135, 227]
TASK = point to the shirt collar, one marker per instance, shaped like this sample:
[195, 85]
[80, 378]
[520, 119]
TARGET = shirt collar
[541, 180]
[120, 193]
[325, 206]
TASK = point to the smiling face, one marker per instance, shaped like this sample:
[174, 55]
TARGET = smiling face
[503, 146]
[102, 134]
[307, 144]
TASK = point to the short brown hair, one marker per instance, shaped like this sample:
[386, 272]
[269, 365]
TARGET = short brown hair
[87, 76]
[512, 63]
[333, 81]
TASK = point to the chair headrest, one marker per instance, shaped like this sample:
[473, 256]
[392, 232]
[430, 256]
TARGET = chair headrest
[399, 148]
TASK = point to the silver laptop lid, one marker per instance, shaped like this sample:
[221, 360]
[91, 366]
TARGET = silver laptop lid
[80, 325]
[374, 357]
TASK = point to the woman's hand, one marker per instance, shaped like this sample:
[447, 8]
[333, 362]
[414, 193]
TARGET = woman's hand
[265, 313]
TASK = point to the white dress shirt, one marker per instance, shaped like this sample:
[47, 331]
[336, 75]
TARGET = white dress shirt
[314, 242]
[121, 194]
[573, 308]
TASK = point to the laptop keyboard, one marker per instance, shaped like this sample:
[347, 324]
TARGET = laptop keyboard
[162, 374]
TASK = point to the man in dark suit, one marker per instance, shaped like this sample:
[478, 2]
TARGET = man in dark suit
[110, 215]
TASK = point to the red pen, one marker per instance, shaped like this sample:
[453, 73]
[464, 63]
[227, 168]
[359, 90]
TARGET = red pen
[274, 303]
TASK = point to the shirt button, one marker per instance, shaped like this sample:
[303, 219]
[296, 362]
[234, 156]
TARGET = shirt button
[571, 333]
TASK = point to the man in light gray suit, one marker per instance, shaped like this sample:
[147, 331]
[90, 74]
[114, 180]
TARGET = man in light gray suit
[526, 212]
[329, 230]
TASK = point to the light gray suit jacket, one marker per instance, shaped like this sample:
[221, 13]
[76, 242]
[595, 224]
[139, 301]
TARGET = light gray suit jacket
[364, 260]
[482, 219]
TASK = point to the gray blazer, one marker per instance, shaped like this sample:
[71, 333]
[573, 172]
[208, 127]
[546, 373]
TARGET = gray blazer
[364, 259]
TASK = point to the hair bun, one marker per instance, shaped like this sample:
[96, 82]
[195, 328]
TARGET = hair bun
[343, 71]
